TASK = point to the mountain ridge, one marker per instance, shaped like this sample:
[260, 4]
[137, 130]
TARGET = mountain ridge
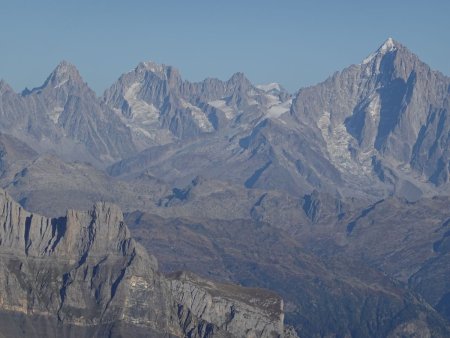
[281, 190]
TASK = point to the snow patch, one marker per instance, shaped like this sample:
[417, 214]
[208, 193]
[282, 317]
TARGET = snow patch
[222, 105]
[386, 47]
[61, 83]
[338, 142]
[278, 109]
[374, 108]
[144, 116]
[269, 87]
[55, 114]
[140, 110]
[153, 67]
[199, 116]
[148, 130]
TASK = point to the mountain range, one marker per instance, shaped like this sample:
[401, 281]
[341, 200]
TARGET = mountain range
[335, 197]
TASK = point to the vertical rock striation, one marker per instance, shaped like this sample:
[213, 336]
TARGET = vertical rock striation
[83, 273]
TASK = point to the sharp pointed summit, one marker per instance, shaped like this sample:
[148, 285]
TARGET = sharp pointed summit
[390, 45]
[65, 67]
[238, 77]
[64, 72]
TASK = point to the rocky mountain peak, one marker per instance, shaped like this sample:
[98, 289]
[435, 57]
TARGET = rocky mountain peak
[161, 70]
[239, 78]
[389, 46]
[65, 73]
[394, 115]
[151, 66]
[66, 70]
[392, 59]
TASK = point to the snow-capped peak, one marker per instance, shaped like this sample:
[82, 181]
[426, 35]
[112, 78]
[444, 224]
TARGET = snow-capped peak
[269, 87]
[151, 67]
[388, 46]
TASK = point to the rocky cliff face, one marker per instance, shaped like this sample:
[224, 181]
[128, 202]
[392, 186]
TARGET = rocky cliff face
[85, 272]
[208, 300]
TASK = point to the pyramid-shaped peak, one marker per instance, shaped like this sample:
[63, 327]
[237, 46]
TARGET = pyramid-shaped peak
[65, 68]
[239, 78]
[61, 75]
[390, 45]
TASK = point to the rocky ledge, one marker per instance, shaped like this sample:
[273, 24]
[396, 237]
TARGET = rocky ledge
[83, 274]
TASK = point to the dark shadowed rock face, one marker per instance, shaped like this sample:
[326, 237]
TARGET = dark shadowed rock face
[83, 273]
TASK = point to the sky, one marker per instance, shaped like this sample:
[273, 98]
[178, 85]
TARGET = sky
[296, 43]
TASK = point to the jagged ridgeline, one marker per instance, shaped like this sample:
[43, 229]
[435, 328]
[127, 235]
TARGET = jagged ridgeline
[335, 197]
[370, 130]
[83, 275]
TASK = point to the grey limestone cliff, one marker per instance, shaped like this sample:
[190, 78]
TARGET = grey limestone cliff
[84, 273]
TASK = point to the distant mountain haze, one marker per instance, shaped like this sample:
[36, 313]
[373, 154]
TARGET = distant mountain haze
[334, 197]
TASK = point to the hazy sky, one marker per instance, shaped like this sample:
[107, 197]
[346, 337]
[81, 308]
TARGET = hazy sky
[296, 43]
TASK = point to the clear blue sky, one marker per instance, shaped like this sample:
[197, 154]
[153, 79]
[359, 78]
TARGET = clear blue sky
[296, 43]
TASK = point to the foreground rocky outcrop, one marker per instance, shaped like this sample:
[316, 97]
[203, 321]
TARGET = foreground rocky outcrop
[83, 274]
